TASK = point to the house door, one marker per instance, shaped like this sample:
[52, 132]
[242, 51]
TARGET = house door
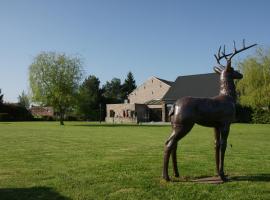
[155, 114]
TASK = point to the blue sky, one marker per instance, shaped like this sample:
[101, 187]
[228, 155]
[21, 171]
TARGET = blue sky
[148, 37]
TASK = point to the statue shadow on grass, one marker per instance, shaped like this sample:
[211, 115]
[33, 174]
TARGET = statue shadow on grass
[34, 193]
[252, 178]
[207, 179]
[121, 125]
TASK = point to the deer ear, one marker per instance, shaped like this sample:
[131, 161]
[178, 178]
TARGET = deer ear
[217, 70]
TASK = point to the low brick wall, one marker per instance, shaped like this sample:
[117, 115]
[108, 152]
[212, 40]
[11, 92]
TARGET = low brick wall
[120, 120]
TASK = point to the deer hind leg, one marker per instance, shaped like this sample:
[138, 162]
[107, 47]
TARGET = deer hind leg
[179, 132]
[169, 145]
[174, 161]
[217, 148]
[223, 145]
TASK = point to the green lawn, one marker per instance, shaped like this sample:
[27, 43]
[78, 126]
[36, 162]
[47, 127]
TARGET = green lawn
[45, 161]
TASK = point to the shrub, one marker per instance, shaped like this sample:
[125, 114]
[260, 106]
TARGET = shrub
[261, 116]
[4, 117]
[72, 118]
[14, 112]
[243, 114]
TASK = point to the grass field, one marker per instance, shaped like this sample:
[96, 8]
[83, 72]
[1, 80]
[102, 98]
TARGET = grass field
[45, 161]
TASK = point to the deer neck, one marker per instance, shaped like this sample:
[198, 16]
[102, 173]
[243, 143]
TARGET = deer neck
[227, 86]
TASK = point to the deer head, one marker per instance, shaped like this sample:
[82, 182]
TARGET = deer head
[228, 70]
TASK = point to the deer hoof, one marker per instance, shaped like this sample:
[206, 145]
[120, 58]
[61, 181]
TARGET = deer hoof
[166, 178]
[223, 178]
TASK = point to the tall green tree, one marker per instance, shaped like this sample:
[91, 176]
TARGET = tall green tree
[24, 100]
[54, 81]
[1, 97]
[128, 86]
[254, 88]
[89, 98]
[112, 91]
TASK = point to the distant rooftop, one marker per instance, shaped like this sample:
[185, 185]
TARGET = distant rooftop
[200, 85]
[170, 83]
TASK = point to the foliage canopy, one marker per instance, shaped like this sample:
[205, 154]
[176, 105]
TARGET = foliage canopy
[54, 80]
[254, 88]
[112, 91]
[128, 86]
[1, 97]
[89, 98]
[23, 100]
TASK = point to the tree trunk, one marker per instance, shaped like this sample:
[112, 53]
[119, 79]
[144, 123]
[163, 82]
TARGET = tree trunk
[61, 118]
[61, 121]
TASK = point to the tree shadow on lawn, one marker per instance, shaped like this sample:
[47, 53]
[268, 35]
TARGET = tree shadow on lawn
[34, 193]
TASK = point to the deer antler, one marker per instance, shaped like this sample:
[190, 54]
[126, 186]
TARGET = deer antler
[219, 57]
[229, 56]
[238, 51]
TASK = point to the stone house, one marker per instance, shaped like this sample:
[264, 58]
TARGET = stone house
[152, 100]
[143, 104]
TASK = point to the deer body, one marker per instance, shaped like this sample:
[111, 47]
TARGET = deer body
[208, 112]
[217, 112]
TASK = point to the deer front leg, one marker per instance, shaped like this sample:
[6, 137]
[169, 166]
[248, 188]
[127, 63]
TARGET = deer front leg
[174, 161]
[217, 148]
[223, 146]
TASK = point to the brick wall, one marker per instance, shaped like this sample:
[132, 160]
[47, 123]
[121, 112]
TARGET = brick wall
[126, 112]
[42, 111]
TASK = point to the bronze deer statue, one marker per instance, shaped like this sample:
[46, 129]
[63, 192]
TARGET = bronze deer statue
[217, 112]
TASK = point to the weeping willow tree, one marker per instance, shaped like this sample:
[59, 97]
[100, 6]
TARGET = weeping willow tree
[254, 88]
[1, 97]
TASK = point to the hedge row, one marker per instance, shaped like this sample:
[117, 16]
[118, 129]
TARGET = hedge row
[261, 116]
[245, 114]
[14, 112]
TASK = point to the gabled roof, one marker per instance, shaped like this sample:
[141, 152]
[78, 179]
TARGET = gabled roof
[200, 85]
[170, 83]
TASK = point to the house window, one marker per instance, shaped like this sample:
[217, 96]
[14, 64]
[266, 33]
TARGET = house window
[152, 92]
[132, 114]
[112, 113]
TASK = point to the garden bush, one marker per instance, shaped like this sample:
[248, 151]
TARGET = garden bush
[243, 114]
[261, 116]
[14, 112]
